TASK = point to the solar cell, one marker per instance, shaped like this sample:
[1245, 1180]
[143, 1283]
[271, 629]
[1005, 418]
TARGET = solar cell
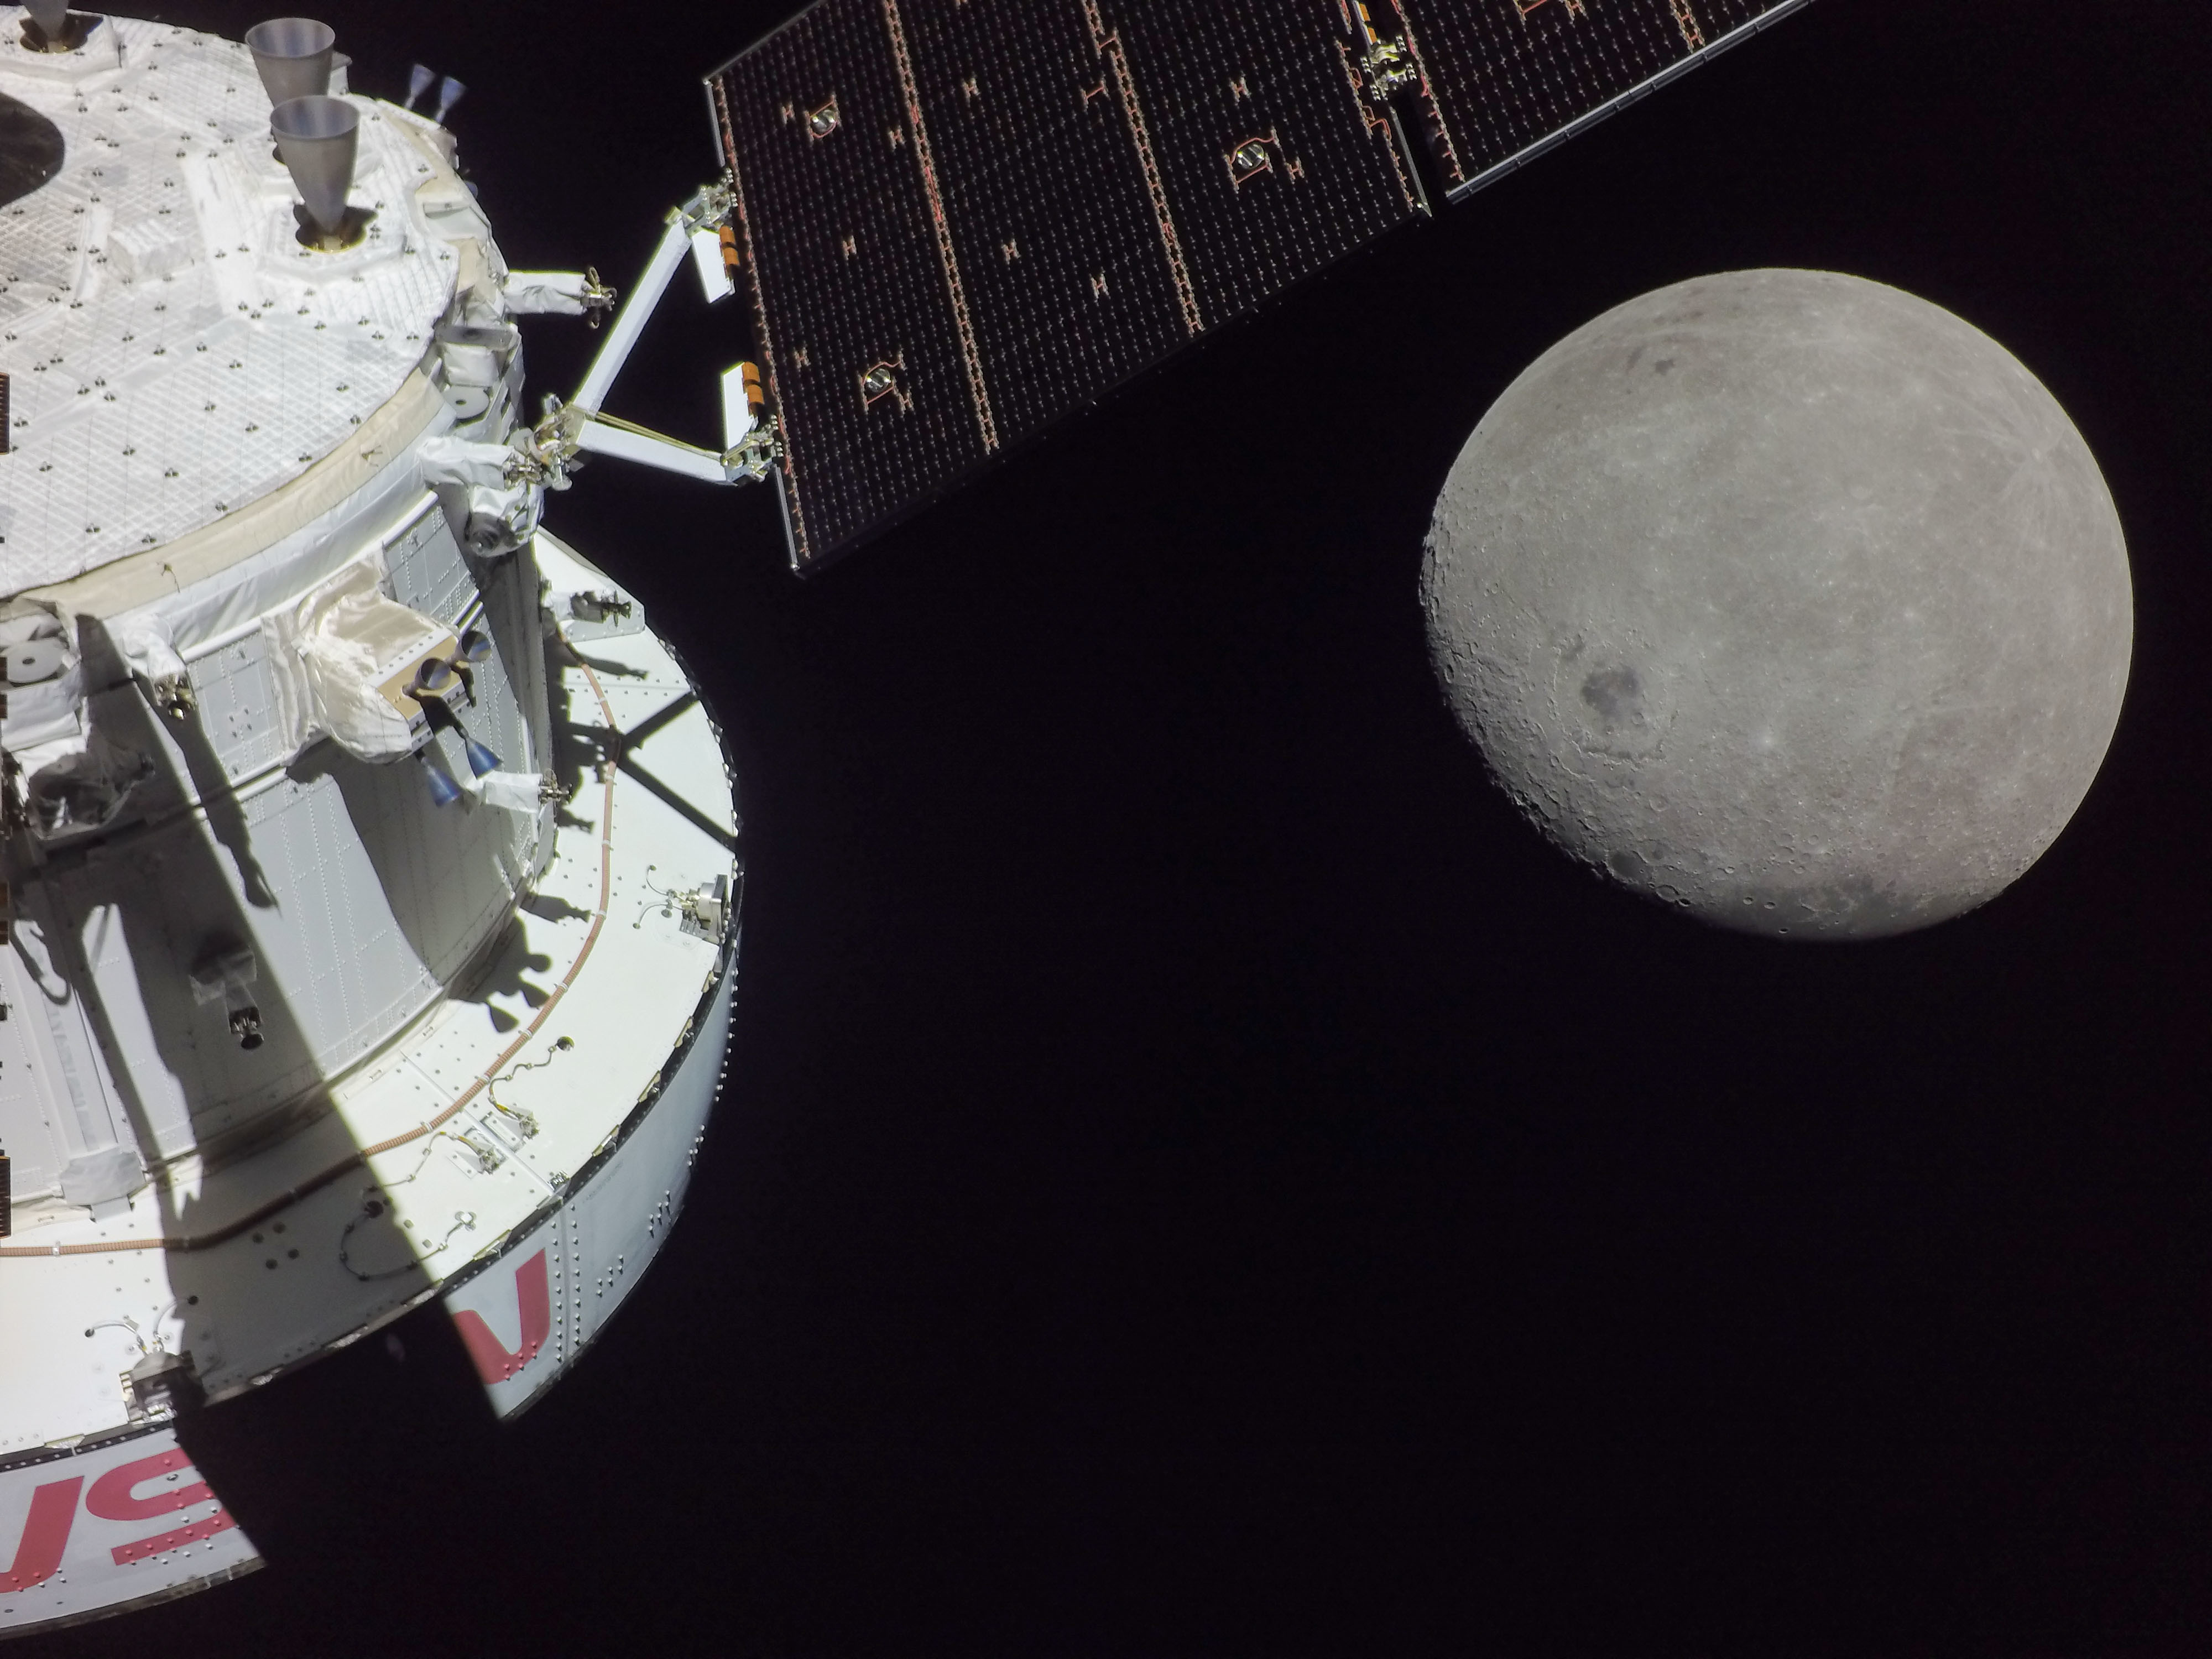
[857, 342]
[961, 220]
[1506, 78]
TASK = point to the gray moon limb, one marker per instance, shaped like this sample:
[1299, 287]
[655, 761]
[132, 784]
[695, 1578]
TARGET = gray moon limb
[1787, 599]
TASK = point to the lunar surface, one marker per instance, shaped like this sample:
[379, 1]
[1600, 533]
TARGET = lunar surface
[1787, 599]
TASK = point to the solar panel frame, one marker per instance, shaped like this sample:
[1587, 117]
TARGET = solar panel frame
[881, 451]
[1488, 132]
[962, 220]
[1047, 285]
[1025, 257]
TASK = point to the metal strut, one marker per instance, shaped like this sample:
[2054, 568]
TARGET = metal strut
[580, 425]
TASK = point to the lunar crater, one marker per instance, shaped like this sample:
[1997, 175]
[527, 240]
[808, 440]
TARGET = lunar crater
[1838, 600]
[1609, 699]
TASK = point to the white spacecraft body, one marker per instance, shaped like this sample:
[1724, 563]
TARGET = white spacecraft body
[305, 1021]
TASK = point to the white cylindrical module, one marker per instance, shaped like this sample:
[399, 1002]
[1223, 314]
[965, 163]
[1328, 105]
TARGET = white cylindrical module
[312, 1010]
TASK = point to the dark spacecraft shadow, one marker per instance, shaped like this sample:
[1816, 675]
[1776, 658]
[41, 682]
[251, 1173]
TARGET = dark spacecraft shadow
[179, 913]
[31, 149]
[553, 909]
[446, 874]
[564, 651]
[298, 1476]
[579, 748]
[501, 974]
[440, 885]
[226, 817]
[582, 745]
[626, 758]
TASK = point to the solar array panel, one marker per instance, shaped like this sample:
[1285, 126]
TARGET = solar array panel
[962, 220]
[1504, 79]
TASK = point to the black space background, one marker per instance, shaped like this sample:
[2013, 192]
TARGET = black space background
[1199, 1176]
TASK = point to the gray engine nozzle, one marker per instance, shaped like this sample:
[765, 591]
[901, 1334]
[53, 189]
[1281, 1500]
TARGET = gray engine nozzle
[294, 57]
[319, 137]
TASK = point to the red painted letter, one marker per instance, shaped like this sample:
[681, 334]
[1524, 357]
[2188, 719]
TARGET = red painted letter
[493, 1362]
[39, 1555]
[110, 1497]
[190, 1533]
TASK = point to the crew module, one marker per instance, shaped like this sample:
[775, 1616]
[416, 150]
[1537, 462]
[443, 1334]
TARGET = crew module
[371, 873]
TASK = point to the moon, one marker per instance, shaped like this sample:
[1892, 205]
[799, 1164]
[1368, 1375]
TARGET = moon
[1786, 599]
